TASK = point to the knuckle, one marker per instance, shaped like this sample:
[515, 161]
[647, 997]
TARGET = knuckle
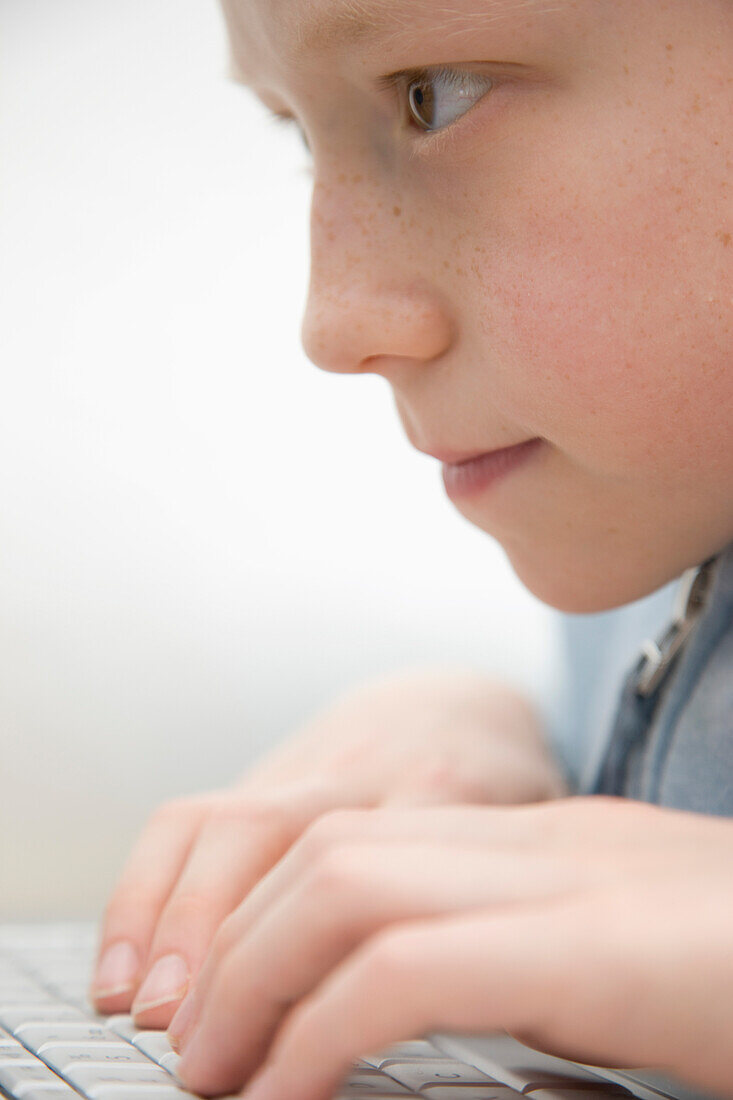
[226, 936]
[334, 875]
[176, 810]
[233, 810]
[262, 815]
[186, 910]
[389, 957]
[130, 900]
[330, 829]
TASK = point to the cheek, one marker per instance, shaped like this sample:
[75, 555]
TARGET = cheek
[608, 308]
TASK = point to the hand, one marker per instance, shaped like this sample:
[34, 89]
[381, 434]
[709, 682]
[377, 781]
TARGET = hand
[423, 739]
[595, 928]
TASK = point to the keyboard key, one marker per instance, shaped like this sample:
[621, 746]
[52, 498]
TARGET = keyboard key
[17, 1053]
[23, 993]
[91, 1076]
[470, 1092]
[345, 1093]
[36, 1036]
[523, 1068]
[122, 1025]
[370, 1082]
[153, 1043]
[64, 1056]
[137, 1092]
[554, 1086]
[19, 1078]
[62, 1091]
[170, 1062]
[14, 1016]
[433, 1071]
[607, 1089]
[404, 1052]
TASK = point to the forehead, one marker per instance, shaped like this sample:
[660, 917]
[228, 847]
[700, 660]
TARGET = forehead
[296, 31]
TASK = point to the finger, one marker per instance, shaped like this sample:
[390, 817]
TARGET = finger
[478, 974]
[246, 834]
[238, 843]
[328, 829]
[537, 828]
[146, 881]
[468, 825]
[346, 898]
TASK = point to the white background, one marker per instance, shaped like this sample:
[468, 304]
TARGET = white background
[203, 538]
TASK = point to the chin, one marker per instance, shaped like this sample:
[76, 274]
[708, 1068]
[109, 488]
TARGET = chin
[578, 586]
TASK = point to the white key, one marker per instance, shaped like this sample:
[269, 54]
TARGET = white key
[18, 1079]
[122, 1025]
[64, 1056]
[579, 1094]
[345, 1093]
[170, 1062]
[137, 1092]
[471, 1092]
[19, 991]
[23, 998]
[36, 1036]
[61, 1091]
[13, 1016]
[525, 1069]
[407, 1052]
[17, 1053]
[429, 1071]
[86, 1077]
[153, 1043]
[370, 1082]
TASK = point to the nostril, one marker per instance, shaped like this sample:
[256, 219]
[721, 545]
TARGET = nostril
[366, 328]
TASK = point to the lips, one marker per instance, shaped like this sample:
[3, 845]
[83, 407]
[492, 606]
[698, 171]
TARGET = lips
[467, 476]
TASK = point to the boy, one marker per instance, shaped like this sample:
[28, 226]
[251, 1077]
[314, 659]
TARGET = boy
[522, 219]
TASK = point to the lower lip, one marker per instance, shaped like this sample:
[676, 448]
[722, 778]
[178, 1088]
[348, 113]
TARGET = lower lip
[466, 479]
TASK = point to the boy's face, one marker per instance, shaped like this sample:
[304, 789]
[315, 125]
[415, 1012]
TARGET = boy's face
[551, 259]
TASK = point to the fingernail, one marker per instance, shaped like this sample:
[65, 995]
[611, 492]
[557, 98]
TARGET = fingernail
[117, 971]
[182, 1023]
[167, 981]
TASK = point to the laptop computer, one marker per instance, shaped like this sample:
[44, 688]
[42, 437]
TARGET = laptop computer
[53, 1046]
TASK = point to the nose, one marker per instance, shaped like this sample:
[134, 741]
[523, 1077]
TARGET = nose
[370, 301]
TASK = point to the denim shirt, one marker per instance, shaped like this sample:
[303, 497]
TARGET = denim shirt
[674, 745]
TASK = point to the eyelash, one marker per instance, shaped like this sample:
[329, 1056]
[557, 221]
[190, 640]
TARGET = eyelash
[401, 82]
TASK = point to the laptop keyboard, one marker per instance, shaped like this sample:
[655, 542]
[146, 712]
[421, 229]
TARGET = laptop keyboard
[53, 1045]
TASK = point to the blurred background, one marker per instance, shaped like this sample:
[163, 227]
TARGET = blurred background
[203, 539]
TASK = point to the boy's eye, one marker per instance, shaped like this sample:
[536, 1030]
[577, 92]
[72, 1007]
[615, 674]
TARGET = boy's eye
[438, 97]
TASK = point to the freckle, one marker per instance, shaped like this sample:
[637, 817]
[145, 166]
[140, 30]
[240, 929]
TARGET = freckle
[342, 177]
[397, 210]
[446, 265]
[626, 69]
[669, 46]
[724, 238]
[358, 179]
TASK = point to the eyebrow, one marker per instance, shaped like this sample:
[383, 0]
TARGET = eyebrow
[334, 25]
[352, 21]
